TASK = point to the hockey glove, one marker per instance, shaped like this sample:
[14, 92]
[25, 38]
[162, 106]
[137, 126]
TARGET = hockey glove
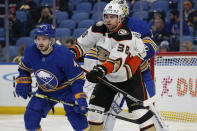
[81, 103]
[23, 86]
[94, 75]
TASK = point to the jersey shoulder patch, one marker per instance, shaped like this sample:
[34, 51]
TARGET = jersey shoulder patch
[99, 27]
[136, 34]
[123, 33]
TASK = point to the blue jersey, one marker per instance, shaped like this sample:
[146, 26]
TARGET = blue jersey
[54, 72]
[135, 23]
[141, 27]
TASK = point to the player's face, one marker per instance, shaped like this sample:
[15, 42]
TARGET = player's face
[42, 43]
[111, 21]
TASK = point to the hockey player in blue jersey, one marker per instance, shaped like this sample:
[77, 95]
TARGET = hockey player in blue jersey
[141, 27]
[57, 75]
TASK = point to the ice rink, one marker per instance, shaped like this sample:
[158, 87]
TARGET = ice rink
[60, 123]
[52, 123]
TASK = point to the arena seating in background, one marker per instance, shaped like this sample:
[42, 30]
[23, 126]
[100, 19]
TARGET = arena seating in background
[60, 32]
[84, 7]
[24, 40]
[79, 31]
[79, 16]
[47, 3]
[60, 16]
[31, 34]
[13, 51]
[86, 23]
[85, 14]
[75, 2]
[187, 38]
[160, 5]
[37, 2]
[136, 6]
[97, 16]
[69, 23]
[138, 15]
[2, 34]
[99, 6]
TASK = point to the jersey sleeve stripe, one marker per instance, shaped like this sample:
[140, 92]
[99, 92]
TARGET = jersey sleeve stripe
[23, 67]
[78, 50]
[134, 63]
[151, 42]
[144, 66]
[129, 71]
[91, 57]
[109, 66]
[92, 51]
[80, 76]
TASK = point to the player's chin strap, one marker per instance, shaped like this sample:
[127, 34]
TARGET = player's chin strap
[145, 103]
[122, 115]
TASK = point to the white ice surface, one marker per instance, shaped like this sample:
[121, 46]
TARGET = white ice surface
[60, 123]
[53, 123]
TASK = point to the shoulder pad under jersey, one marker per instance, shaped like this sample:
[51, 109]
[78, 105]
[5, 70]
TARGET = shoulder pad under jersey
[99, 27]
[123, 33]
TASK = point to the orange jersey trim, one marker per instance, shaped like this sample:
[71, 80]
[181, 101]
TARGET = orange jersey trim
[77, 51]
[109, 66]
[134, 62]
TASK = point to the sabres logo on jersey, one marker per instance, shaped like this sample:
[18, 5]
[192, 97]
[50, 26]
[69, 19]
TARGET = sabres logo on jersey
[46, 80]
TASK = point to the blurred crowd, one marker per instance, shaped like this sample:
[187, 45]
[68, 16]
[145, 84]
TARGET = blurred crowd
[164, 23]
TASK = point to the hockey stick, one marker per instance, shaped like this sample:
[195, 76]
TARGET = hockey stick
[143, 103]
[93, 110]
[122, 115]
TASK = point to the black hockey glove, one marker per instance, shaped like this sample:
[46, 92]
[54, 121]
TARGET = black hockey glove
[94, 75]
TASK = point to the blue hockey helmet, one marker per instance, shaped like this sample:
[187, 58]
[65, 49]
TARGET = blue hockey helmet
[45, 30]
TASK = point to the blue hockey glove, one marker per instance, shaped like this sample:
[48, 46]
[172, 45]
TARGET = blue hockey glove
[82, 104]
[23, 86]
[98, 71]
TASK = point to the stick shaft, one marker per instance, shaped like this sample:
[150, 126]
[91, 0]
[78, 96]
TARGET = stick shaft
[118, 89]
[93, 110]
